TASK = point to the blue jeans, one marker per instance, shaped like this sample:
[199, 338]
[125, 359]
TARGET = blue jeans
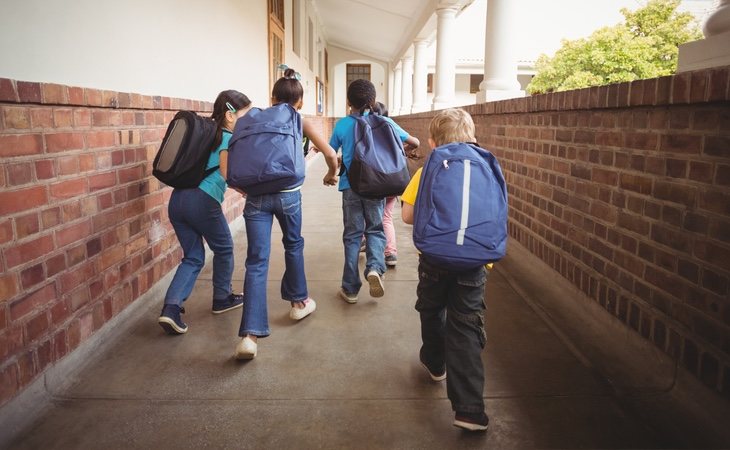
[451, 305]
[195, 216]
[361, 215]
[259, 214]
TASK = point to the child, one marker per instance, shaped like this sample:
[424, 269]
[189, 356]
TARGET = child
[259, 213]
[451, 303]
[361, 215]
[196, 214]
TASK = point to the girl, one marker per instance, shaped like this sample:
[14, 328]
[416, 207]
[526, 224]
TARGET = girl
[259, 213]
[196, 214]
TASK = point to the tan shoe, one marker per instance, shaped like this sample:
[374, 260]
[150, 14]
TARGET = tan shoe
[246, 349]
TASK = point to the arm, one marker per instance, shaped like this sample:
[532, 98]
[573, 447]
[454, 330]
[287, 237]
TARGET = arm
[224, 169]
[330, 156]
[407, 213]
[410, 145]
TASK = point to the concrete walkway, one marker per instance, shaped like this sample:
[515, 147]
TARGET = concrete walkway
[346, 377]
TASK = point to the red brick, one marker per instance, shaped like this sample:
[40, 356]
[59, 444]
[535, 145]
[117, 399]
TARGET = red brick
[636, 183]
[101, 139]
[93, 97]
[20, 144]
[76, 255]
[27, 225]
[717, 146]
[59, 142]
[715, 201]
[54, 93]
[72, 279]
[16, 117]
[8, 286]
[55, 265]
[34, 301]
[23, 253]
[41, 117]
[87, 162]
[68, 165]
[26, 370]
[722, 175]
[698, 86]
[6, 231]
[717, 89]
[60, 346]
[44, 355]
[700, 171]
[59, 312]
[642, 141]
[130, 174]
[63, 118]
[68, 188]
[73, 233]
[100, 118]
[102, 181]
[82, 118]
[7, 90]
[8, 382]
[29, 92]
[19, 173]
[36, 327]
[76, 96]
[22, 199]
[50, 217]
[681, 143]
[680, 88]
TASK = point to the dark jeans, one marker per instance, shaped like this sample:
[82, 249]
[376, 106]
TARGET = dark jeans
[451, 305]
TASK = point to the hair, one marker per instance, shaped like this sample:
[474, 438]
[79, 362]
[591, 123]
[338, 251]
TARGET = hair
[381, 109]
[235, 99]
[452, 125]
[361, 95]
[288, 89]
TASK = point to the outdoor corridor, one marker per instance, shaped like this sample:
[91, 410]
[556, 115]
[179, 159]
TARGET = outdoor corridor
[348, 376]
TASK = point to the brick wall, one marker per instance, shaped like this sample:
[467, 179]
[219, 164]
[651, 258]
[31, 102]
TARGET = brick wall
[625, 191]
[83, 224]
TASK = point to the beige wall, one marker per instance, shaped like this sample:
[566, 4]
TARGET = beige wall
[338, 60]
[149, 47]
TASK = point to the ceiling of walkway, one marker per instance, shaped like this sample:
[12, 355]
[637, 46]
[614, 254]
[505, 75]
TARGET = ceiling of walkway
[380, 29]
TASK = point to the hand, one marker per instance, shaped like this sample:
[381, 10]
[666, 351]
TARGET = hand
[240, 191]
[330, 179]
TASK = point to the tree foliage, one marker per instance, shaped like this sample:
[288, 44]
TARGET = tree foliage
[644, 46]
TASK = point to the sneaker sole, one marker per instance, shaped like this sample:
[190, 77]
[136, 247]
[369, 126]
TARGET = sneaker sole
[349, 300]
[170, 326]
[376, 286]
[391, 263]
[293, 314]
[470, 426]
[245, 355]
[221, 311]
[434, 377]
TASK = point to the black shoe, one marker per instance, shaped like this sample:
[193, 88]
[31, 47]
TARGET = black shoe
[170, 320]
[233, 301]
[436, 375]
[471, 421]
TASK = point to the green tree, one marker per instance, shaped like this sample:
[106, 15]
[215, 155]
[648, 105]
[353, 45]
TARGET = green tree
[644, 46]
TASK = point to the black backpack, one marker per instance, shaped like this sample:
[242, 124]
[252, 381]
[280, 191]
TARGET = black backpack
[180, 162]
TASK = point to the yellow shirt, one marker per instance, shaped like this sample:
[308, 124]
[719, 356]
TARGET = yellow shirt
[411, 192]
[409, 195]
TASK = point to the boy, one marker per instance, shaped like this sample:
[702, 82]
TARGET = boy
[451, 303]
[361, 215]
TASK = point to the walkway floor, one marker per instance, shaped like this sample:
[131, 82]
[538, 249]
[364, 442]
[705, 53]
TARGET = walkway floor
[346, 377]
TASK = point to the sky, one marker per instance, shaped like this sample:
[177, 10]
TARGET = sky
[543, 23]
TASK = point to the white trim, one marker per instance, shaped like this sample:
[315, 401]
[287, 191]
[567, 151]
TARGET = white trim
[464, 203]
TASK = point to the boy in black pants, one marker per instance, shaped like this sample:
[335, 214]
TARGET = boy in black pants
[451, 303]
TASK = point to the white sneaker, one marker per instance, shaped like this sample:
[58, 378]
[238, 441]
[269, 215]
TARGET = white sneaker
[349, 298]
[376, 284]
[301, 313]
[246, 349]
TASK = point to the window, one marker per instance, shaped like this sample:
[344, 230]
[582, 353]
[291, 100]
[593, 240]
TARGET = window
[474, 82]
[310, 54]
[356, 72]
[296, 26]
[276, 39]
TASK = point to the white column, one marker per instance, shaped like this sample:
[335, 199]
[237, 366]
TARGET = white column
[714, 49]
[500, 58]
[445, 77]
[420, 76]
[407, 87]
[397, 80]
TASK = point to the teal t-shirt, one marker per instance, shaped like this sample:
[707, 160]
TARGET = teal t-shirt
[214, 184]
[343, 136]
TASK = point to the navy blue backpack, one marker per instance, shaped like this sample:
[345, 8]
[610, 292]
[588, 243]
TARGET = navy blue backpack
[265, 152]
[460, 220]
[379, 168]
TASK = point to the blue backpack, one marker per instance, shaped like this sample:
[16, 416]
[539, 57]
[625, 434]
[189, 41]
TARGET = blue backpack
[460, 219]
[378, 167]
[265, 152]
